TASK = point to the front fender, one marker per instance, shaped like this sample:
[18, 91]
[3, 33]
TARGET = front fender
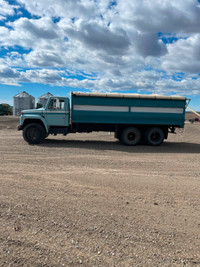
[34, 118]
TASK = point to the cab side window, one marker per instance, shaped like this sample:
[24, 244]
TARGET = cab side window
[57, 104]
[61, 104]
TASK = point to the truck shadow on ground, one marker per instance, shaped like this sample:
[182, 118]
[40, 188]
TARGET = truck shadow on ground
[166, 147]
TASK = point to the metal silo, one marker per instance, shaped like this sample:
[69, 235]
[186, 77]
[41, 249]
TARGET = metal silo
[23, 101]
[42, 100]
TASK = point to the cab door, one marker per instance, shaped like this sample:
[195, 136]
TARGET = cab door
[57, 112]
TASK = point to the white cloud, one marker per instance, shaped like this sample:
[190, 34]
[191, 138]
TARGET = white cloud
[29, 32]
[7, 72]
[184, 55]
[149, 81]
[148, 44]
[61, 8]
[96, 37]
[6, 9]
[160, 15]
[117, 44]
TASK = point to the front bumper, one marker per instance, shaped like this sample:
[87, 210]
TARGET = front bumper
[19, 127]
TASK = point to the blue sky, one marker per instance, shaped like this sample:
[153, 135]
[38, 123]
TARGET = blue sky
[107, 46]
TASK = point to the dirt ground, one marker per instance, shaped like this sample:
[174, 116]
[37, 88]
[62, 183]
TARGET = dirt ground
[86, 200]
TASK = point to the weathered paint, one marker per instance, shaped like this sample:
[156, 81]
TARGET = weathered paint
[101, 108]
[112, 109]
[47, 116]
[33, 116]
[57, 117]
[160, 110]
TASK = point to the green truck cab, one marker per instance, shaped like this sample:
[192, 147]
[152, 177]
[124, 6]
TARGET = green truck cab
[39, 123]
[132, 117]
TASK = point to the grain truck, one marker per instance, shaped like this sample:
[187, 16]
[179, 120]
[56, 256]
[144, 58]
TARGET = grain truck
[134, 118]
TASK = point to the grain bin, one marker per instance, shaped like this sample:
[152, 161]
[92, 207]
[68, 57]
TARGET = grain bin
[22, 101]
[42, 100]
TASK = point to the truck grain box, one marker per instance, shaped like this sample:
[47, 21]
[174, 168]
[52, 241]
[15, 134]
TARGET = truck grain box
[134, 118]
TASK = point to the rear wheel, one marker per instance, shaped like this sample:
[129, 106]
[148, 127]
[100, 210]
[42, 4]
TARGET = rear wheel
[131, 136]
[154, 136]
[34, 133]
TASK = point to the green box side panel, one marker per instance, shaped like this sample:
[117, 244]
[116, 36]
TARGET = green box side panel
[126, 117]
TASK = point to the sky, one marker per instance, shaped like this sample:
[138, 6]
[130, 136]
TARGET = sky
[125, 46]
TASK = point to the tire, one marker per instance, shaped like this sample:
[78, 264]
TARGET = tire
[34, 133]
[154, 136]
[131, 136]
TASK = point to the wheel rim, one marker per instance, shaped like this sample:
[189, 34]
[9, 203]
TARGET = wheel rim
[33, 133]
[155, 136]
[131, 136]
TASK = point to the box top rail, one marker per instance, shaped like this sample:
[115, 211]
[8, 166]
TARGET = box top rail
[139, 96]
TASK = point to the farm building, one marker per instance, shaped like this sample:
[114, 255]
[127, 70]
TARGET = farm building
[22, 101]
[42, 100]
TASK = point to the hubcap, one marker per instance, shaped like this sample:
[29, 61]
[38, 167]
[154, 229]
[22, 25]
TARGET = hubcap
[155, 136]
[131, 136]
[33, 133]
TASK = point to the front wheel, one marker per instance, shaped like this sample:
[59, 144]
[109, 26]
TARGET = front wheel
[154, 136]
[131, 136]
[34, 133]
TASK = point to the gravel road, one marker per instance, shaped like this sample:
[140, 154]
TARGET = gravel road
[86, 200]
